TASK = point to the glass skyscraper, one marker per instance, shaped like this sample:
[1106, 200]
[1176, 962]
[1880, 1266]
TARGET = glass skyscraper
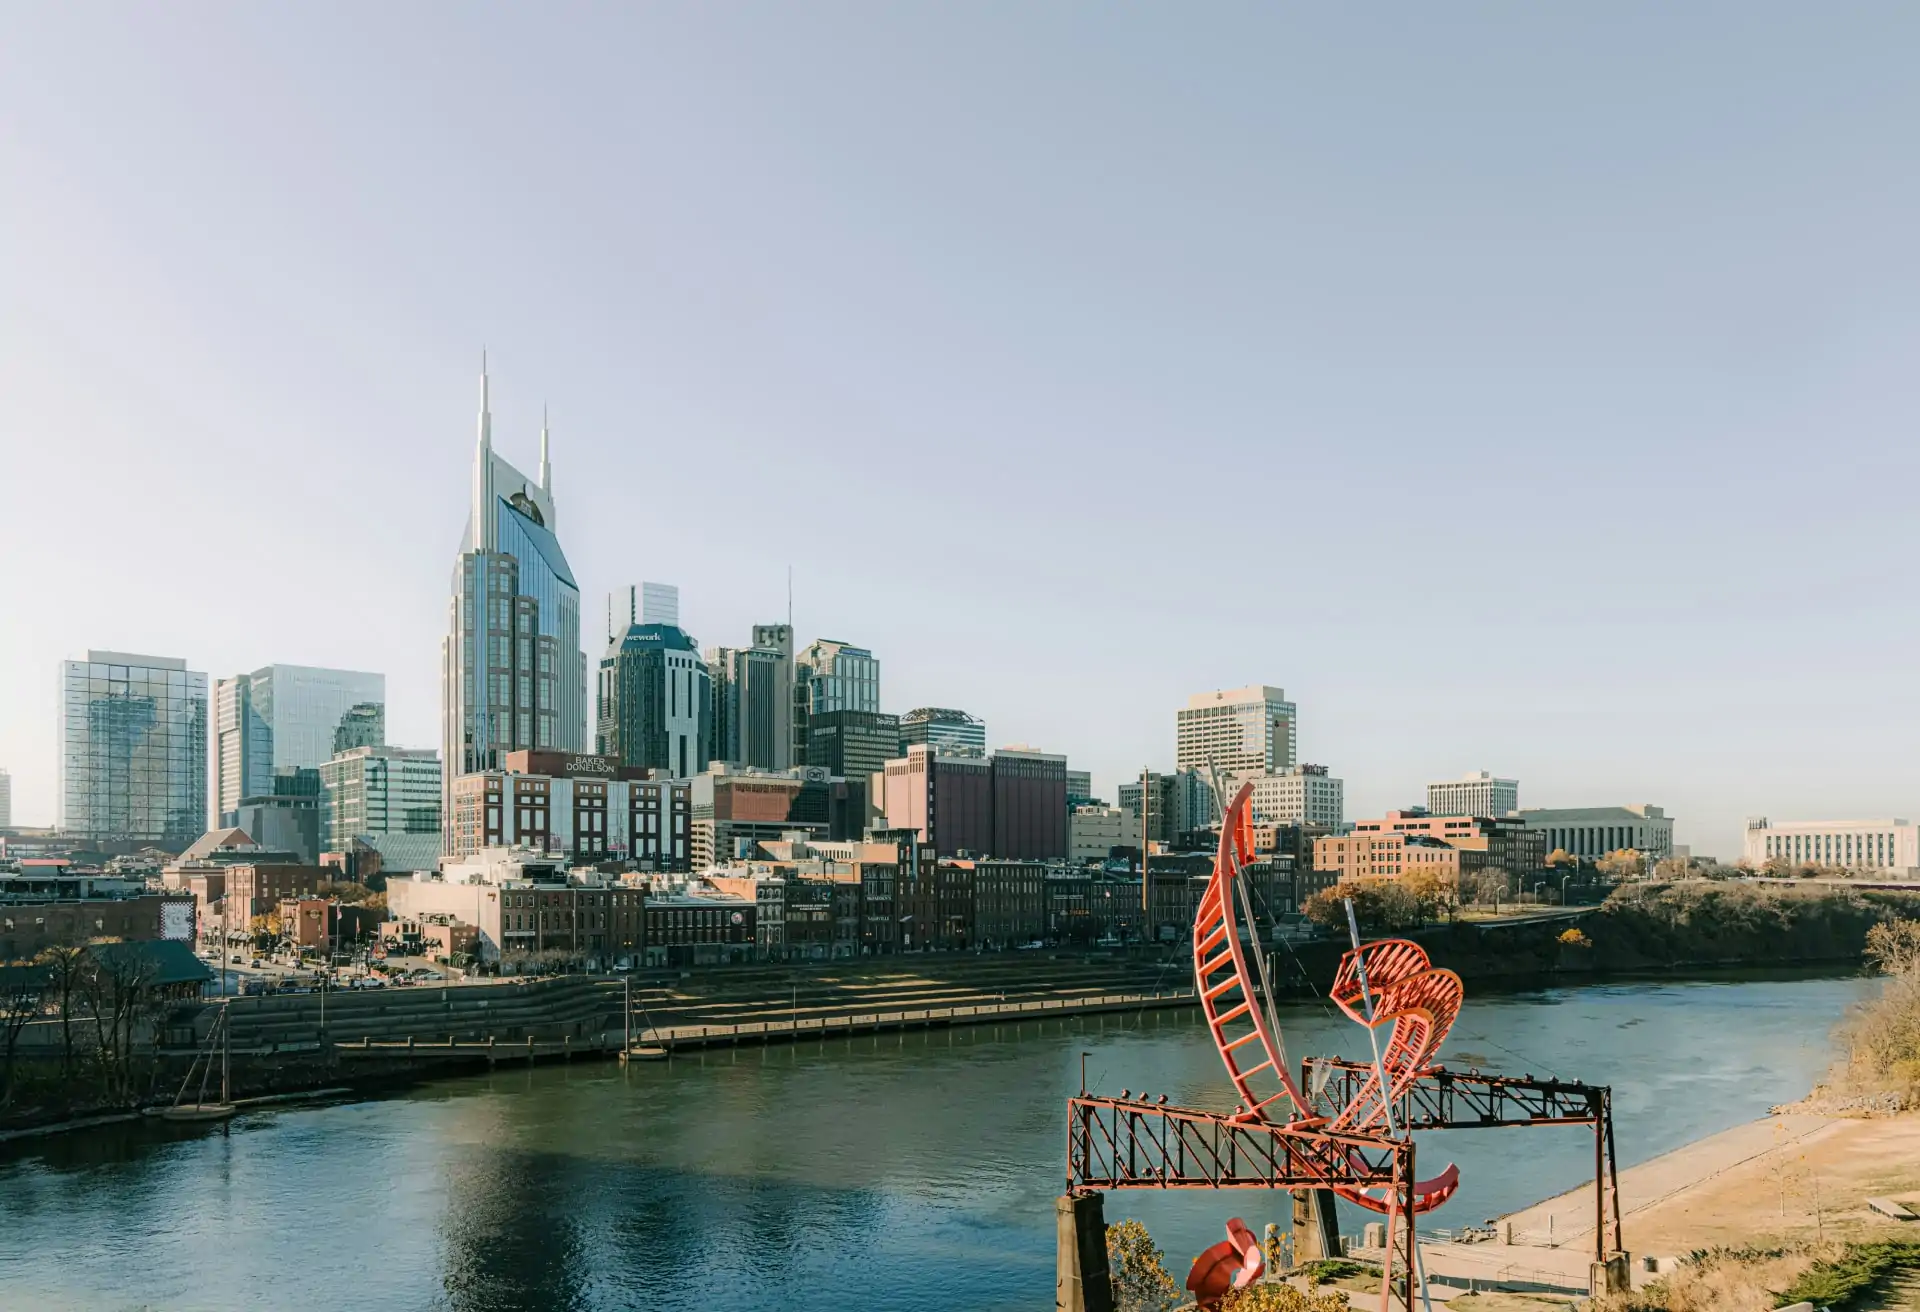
[512, 674]
[133, 749]
[287, 717]
[656, 693]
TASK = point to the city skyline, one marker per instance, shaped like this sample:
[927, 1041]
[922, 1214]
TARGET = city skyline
[1649, 327]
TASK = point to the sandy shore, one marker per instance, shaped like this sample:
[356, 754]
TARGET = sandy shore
[1782, 1178]
[1785, 1177]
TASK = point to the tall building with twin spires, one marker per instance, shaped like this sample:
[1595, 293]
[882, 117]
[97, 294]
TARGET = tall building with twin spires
[512, 674]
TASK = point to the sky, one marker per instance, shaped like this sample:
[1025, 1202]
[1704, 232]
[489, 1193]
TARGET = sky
[1523, 388]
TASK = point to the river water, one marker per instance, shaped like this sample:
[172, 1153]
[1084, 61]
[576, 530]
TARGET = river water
[905, 1173]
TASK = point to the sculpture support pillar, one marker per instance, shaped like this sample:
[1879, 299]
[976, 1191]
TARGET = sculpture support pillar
[1081, 1282]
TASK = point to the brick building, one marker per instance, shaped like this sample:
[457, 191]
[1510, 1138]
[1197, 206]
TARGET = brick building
[587, 807]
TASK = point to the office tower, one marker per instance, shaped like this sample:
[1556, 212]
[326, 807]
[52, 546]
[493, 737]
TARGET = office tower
[1476, 794]
[1239, 732]
[364, 725]
[6, 800]
[512, 676]
[283, 717]
[831, 678]
[840, 677]
[1029, 805]
[133, 749]
[948, 730]
[1080, 788]
[659, 604]
[1180, 804]
[1303, 795]
[946, 798]
[752, 720]
[375, 790]
[655, 694]
[852, 744]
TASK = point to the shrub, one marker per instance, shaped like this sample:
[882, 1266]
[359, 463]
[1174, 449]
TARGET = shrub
[1138, 1270]
[1283, 1298]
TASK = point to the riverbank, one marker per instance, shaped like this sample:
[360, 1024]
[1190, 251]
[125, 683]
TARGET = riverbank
[1778, 1182]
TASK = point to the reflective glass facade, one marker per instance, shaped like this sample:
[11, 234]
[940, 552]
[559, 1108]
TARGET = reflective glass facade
[286, 717]
[512, 674]
[379, 790]
[133, 749]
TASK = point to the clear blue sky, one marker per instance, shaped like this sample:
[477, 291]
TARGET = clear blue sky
[1522, 387]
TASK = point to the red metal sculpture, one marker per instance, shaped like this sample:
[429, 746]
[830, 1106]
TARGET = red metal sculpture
[1354, 1134]
[1406, 993]
[1232, 1264]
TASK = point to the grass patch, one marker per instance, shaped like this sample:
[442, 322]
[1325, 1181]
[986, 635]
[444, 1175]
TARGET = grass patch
[1836, 1282]
[1325, 1270]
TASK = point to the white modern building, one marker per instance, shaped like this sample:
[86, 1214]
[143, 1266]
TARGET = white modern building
[1594, 831]
[1302, 795]
[1880, 845]
[1242, 731]
[1477, 794]
[1094, 831]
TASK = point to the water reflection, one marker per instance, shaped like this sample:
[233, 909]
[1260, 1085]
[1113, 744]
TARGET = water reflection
[891, 1172]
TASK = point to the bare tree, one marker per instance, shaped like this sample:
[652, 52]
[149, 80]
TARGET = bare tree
[23, 995]
[65, 963]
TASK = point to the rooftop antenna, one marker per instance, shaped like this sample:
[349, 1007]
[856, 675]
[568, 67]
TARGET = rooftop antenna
[789, 599]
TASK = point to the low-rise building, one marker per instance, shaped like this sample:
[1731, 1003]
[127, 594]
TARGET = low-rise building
[1594, 831]
[42, 911]
[1390, 854]
[1870, 846]
[1503, 841]
[254, 889]
[327, 924]
[1094, 832]
[699, 929]
[1298, 795]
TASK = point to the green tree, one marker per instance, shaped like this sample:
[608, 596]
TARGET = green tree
[1138, 1270]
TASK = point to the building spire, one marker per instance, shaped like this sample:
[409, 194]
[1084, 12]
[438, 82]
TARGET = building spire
[482, 510]
[486, 414]
[546, 468]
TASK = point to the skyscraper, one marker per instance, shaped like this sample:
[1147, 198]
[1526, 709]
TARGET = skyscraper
[133, 749]
[753, 697]
[286, 717]
[655, 693]
[830, 677]
[6, 800]
[512, 674]
[1245, 731]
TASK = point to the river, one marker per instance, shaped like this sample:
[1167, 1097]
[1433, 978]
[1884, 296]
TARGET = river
[903, 1172]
